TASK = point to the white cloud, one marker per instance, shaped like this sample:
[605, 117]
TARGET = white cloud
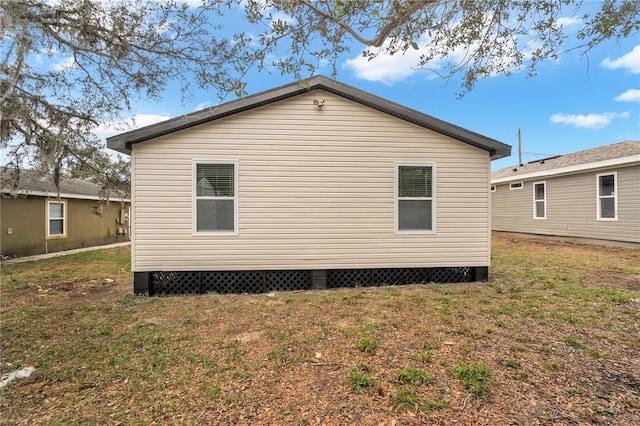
[281, 16]
[389, 69]
[202, 105]
[588, 121]
[630, 61]
[192, 3]
[143, 120]
[137, 121]
[631, 95]
[385, 68]
[568, 22]
[65, 64]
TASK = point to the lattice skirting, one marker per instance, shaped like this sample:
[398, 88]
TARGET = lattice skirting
[229, 282]
[400, 276]
[201, 282]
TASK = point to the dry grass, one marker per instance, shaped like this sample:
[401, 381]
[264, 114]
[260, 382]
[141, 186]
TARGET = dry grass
[553, 338]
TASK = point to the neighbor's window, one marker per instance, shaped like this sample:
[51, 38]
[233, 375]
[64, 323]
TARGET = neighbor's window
[516, 185]
[493, 188]
[540, 200]
[216, 197]
[607, 196]
[415, 203]
[56, 218]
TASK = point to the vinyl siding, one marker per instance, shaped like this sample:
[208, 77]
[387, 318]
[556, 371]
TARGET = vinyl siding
[316, 191]
[571, 207]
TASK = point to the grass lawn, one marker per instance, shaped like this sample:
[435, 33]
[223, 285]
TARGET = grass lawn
[553, 338]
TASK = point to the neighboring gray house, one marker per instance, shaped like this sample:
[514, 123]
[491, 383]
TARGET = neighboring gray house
[308, 185]
[592, 194]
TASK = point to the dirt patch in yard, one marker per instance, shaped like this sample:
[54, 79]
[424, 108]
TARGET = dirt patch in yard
[553, 338]
[611, 276]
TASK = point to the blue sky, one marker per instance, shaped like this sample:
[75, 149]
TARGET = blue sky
[572, 104]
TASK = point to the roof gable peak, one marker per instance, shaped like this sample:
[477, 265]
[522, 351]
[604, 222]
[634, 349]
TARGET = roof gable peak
[124, 142]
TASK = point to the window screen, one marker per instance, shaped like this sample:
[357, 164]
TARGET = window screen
[607, 185]
[56, 218]
[415, 198]
[607, 197]
[215, 180]
[216, 198]
[539, 201]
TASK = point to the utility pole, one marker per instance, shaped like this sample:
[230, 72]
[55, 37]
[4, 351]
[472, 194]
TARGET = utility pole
[519, 148]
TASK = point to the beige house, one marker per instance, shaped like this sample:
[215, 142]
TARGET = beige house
[593, 194]
[309, 185]
[35, 218]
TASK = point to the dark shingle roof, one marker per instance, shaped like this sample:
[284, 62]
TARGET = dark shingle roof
[566, 162]
[124, 142]
[30, 185]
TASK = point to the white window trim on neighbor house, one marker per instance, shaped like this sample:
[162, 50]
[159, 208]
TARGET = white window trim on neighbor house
[516, 185]
[543, 200]
[196, 197]
[62, 218]
[600, 197]
[397, 199]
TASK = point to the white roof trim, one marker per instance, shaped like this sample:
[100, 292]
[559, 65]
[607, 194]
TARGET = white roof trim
[67, 196]
[572, 169]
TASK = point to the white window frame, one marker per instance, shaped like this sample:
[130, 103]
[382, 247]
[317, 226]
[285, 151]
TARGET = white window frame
[544, 200]
[515, 188]
[493, 188]
[196, 198]
[63, 218]
[397, 199]
[599, 197]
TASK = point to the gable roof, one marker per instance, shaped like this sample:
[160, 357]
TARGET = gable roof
[29, 185]
[125, 141]
[620, 153]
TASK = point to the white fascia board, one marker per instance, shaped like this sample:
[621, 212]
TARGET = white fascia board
[572, 169]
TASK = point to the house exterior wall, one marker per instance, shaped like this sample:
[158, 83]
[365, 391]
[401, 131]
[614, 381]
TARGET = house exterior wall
[571, 206]
[316, 191]
[26, 217]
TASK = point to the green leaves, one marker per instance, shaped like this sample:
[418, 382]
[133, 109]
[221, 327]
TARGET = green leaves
[476, 377]
[412, 376]
[107, 54]
[368, 345]
[359, 380]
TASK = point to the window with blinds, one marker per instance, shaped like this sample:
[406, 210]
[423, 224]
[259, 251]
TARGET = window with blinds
[216, 200]
[56, 218]
[415, 204]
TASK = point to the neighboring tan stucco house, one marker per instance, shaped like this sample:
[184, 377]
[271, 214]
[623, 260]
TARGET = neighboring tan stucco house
[309, 185]
[36, 219]
[592, 194]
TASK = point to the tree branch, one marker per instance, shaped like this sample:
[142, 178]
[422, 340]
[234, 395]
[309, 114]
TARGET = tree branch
[413, 7]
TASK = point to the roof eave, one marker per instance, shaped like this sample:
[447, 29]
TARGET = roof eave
[62, 195]
[578, 168]
[123, 142]
[496, 149]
